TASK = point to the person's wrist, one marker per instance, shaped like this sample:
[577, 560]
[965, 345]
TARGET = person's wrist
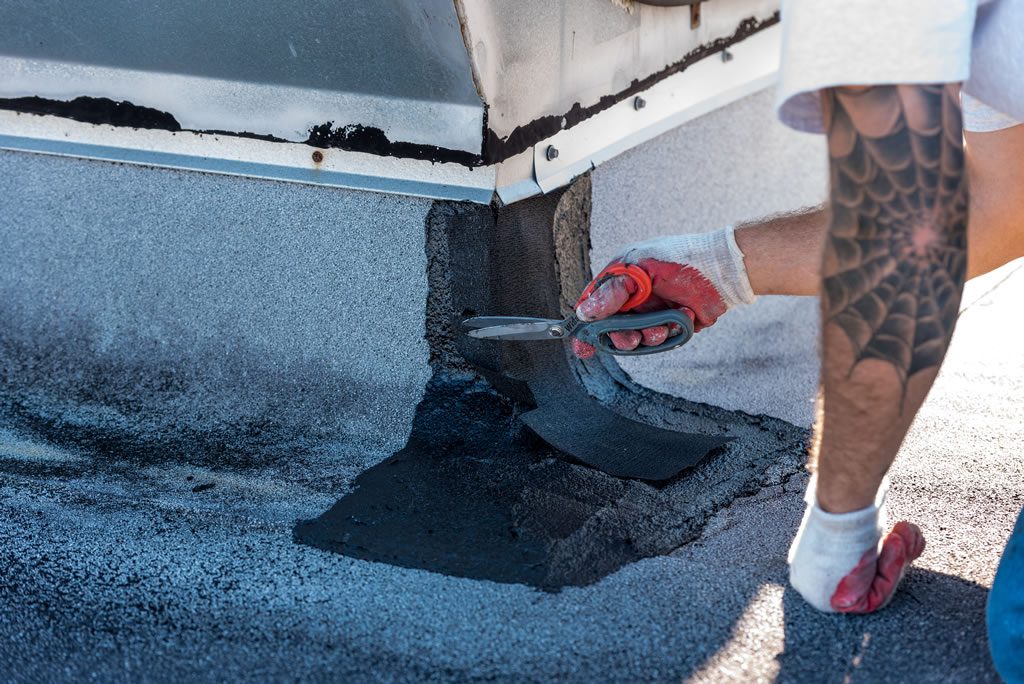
[854, 523]
[741, 290]
[842, 501]
[759, 278]
[838, 496]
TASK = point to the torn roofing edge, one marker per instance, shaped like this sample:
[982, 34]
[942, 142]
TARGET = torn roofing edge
[371, 140]
[351, 138]
[245, 156]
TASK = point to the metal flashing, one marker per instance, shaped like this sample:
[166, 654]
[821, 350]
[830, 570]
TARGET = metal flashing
[703, 87]
[514, 192]
[264, 66]
[233, 155]
[700, 87]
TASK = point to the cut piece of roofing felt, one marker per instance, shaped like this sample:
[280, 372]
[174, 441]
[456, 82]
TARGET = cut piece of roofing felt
[534, 259]
[617, 445]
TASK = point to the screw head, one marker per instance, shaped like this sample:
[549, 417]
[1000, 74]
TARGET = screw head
[551, 153]
[639, 103]
[556, 331]
[318, 156]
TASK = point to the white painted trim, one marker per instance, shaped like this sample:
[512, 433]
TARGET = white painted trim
[707, 85]
[227, 154]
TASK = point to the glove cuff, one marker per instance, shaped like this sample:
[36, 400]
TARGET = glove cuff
[867, 521]
[716, 255]
[741, 292]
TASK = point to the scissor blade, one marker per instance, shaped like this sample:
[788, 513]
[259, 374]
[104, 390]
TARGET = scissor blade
[525, 329]
[477, 322]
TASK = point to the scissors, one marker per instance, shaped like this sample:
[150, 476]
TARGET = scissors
[596, 332]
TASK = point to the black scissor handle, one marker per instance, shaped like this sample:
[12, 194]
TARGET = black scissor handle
[596, 333]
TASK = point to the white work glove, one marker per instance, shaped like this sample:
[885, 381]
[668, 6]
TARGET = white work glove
[702, 275]
[837, 562]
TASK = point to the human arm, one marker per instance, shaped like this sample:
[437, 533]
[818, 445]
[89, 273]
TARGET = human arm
[782, 253]
[893, 268]
[707, 274]
[892, 272]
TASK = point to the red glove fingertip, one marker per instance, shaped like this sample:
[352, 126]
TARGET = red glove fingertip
[652, 337]
[626, 340]
[912, 537]
[871, 585]
[605, 301]
[851, 594]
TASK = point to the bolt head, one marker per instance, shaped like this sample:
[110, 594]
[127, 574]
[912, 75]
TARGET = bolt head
[556, 331]
[639, 103]
[552, 153]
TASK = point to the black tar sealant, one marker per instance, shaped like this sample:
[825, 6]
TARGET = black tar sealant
[475, 494]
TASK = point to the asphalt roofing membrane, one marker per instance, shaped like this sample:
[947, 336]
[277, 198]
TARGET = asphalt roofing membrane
[114, 568]
[475, 494]
[120, 561]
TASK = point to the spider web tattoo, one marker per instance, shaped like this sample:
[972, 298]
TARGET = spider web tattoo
[896, 254]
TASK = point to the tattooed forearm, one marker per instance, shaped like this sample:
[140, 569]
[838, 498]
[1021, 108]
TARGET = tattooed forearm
[896, 253]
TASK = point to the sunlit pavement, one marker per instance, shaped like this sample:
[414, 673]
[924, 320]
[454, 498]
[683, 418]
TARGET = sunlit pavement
[122, 571]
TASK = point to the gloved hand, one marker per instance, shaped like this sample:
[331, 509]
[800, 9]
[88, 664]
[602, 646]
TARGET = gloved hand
[837, 563]
[702, 275]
